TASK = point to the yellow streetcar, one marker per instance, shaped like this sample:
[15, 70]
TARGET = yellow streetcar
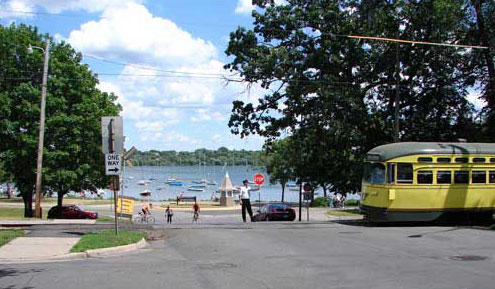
[420, 181]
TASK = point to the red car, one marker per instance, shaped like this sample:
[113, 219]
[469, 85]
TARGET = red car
[70, 212]
[275, 212]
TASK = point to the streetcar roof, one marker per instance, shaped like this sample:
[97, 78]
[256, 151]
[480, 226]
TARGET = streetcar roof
[394, 150]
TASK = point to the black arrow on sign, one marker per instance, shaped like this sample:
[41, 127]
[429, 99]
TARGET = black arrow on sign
[114, 170]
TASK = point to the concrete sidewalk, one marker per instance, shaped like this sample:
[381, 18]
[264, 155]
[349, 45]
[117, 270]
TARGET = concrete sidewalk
[36, 248]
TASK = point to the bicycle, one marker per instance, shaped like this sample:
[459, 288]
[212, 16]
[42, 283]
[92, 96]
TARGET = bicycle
[142, 219]
[195, 217]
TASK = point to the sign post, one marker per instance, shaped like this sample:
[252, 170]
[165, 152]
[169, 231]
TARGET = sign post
[259, 179]
[307, 197]
[113, 145]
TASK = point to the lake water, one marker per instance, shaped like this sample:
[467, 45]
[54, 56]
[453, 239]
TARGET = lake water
[187, 174]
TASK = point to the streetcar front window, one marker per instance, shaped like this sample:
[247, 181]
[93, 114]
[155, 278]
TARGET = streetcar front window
[374, 173]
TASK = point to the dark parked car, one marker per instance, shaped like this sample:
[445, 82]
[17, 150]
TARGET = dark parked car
[70, 212]
[275, 212]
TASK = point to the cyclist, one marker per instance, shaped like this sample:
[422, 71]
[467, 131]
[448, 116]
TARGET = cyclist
[146, 211]
[196, 210]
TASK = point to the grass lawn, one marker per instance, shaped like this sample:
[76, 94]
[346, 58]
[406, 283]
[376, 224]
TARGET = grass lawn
[344, 213]
[106, 239]
[8, 213]
[104, 219]
[67, 200]
[7, 235]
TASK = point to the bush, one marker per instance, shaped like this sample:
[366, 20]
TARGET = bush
[352, 203]
[320, 202]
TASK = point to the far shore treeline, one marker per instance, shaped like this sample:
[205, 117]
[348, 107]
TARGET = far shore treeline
[220, 157]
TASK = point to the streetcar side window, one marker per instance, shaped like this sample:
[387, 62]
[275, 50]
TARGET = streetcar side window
[462, 160]
[425, 177]
[404, 173]
[444, 177]
[479, 160]
[461, 177]
[425, 160]
[491, 177]
[478, 177]
[492, 160]
[443, 160]
[374, 173]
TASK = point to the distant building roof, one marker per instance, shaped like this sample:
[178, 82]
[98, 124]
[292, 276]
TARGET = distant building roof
[394, 150]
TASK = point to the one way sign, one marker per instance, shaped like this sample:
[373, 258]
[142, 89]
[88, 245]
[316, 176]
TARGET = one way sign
[112, 164]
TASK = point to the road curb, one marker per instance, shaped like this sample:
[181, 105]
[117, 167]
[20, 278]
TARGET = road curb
[95, 253]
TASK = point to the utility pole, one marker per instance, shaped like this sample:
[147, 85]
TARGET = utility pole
[397, 95]
[39, 164]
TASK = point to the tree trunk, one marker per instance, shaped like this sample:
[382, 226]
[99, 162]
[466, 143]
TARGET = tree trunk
[9, 193]
[324, 191]
[283, 191]
[28, 205]
[60, 198]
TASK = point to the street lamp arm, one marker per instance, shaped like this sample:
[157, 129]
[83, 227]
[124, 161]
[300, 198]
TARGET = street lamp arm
[30, 48]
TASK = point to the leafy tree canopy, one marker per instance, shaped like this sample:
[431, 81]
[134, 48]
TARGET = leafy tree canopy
[74, 107]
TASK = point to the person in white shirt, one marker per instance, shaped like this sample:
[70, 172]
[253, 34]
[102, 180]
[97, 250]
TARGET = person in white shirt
[245, 201]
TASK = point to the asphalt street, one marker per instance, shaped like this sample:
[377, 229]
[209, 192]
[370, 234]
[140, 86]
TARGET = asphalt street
[282, 255]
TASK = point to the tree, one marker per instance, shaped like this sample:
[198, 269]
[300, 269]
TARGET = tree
[72, 153]
[340, 94]
[280, 166]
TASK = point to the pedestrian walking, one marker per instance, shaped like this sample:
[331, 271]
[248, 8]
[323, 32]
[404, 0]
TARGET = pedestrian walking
[169, 213]
[244, 200]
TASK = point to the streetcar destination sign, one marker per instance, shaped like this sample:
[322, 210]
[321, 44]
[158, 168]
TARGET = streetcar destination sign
[112, 164]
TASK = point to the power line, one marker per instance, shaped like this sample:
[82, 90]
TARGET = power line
[386, 39]
[151, 68]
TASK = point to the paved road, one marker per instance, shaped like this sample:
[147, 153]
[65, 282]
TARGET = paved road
[208, 216]
[282, 255]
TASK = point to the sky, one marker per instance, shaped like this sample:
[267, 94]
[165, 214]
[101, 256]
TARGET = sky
[163, 58]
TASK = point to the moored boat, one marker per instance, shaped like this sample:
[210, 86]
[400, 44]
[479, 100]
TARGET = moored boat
[195, 189]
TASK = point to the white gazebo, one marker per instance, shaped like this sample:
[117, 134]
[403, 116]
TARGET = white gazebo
[227, 192]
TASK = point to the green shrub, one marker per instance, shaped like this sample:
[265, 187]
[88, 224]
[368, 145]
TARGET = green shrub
[320, 202]
[352, 203]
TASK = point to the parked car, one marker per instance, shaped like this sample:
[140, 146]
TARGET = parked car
[275, 212]
[70, 212]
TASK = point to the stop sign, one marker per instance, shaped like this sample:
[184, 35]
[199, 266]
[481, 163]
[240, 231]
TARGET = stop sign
[259, 179]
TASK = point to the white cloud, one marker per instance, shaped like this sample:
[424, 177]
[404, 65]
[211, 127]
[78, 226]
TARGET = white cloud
[158, 104]
[131, 32]
[57, 6]
[202, 115]
[16, 9]
[245, 7]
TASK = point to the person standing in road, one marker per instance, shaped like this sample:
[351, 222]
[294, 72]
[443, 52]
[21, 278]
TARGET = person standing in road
[245, 201]
[169, 213]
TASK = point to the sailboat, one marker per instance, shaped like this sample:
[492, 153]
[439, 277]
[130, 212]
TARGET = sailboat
[195, 189]
[145, 193]
[143, 182]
